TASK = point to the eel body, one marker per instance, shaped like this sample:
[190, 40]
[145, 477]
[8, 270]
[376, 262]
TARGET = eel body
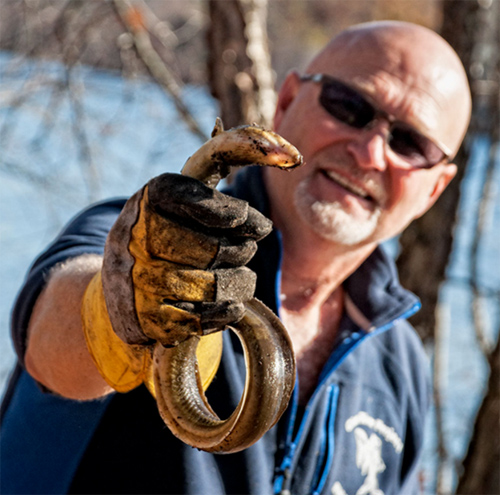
[270, 378]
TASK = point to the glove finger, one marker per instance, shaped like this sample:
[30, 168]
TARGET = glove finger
[168, 324]
[189, 198]
[171, 324]
[157, 281]
[215, 316]
[161, 280]
[234, 284]
[233, 254]
[169, 240]
[256, 226]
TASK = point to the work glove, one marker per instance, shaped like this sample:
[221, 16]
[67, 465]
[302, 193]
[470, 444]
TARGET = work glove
[173, 268]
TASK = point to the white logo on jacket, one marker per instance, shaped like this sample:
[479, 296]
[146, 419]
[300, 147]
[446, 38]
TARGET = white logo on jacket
[369, 451]
[369, 461]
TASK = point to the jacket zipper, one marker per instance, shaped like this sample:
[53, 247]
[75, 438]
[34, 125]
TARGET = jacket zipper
[328, 441]
[283, 479]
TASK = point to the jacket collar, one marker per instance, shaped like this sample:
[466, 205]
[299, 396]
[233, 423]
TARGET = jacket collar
[374, 296]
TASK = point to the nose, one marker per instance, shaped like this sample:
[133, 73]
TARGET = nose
[369, 147]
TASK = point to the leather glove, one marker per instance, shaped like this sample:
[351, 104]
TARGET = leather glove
[173, 268]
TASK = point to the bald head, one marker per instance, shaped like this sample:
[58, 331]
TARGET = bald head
[398, 60]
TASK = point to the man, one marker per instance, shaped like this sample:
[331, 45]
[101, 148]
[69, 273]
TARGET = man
[378, 115]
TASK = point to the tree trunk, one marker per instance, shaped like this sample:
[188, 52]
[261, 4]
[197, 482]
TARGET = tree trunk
[239, 66]
[426, 244]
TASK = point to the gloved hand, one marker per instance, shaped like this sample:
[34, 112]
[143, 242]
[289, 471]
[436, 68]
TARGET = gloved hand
[173, 263]
[173, 268]
[184, 245]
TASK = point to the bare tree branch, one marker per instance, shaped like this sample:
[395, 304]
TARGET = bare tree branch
[91, 172]
[255, 12]
[239, 66]
[133, 20]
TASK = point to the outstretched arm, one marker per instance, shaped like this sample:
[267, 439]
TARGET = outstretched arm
[57, 354]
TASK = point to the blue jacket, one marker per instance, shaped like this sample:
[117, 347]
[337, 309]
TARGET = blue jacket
[361, 432]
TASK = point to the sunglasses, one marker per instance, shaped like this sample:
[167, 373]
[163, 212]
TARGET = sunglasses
[351, 108]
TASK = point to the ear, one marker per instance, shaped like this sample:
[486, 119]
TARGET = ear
[286, 95]
[446, 175]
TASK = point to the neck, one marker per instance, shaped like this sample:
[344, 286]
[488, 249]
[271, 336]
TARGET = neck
[312, 302]
[314, 268]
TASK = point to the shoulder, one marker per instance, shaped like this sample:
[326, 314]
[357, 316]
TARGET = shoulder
[392, 364]
[401, 346]
[399, 360]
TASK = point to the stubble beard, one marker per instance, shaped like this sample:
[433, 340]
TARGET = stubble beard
[330, 221]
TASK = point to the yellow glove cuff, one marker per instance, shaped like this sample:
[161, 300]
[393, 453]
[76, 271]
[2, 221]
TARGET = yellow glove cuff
[124, 366]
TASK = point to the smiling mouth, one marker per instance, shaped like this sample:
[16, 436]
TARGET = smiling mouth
[346, 184]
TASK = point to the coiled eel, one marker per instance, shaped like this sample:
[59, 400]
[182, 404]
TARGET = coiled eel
[269, 358]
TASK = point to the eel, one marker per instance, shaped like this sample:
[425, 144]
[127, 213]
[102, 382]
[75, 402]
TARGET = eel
[269, 357]
[239, 147]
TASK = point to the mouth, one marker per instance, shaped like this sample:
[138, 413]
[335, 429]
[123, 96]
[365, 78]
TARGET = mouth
[349, 186]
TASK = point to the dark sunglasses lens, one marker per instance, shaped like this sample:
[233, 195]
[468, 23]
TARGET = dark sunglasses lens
[418, 150]
[350, 107]
[346, 105]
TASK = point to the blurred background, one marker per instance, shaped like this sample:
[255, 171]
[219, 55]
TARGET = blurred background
[98, 97]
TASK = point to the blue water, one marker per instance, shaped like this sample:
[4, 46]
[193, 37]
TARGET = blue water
[133, 134]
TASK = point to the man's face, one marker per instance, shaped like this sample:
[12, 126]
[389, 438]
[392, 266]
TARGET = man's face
[353, 188]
